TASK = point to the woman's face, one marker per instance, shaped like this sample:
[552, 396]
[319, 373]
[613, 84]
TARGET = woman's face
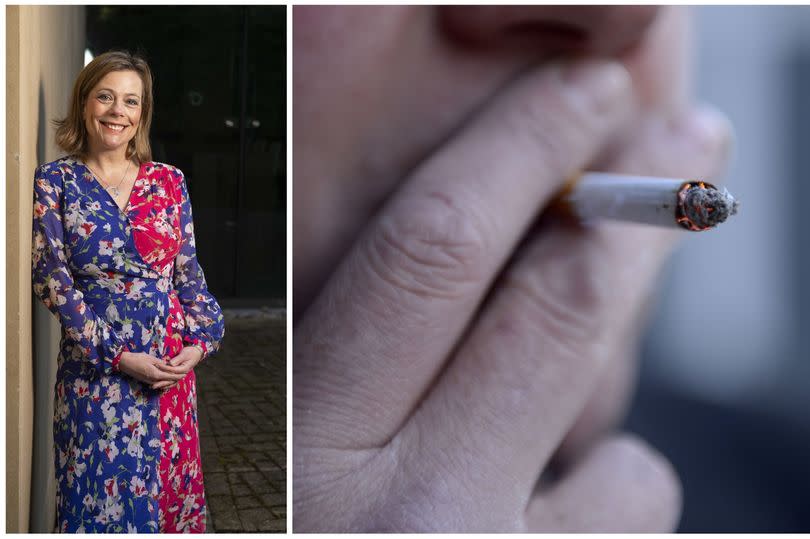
[377, 89]
[112, 111]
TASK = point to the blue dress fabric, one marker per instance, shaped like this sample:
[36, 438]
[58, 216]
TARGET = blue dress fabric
[110, 298]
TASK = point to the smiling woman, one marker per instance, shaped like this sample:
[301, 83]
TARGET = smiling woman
[114, 258]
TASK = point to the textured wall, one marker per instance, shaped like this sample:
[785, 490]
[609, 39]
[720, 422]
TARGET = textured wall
[44, 51]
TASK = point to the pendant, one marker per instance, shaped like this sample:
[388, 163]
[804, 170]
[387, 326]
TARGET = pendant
[114, 191]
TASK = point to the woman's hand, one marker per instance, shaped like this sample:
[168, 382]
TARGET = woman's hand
[442, 364]
[180, 365]
[148, 369]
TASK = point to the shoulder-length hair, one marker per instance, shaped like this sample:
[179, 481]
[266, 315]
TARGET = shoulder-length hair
[71, 132]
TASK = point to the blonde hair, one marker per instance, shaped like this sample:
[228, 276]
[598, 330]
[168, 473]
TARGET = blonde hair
[71, 131]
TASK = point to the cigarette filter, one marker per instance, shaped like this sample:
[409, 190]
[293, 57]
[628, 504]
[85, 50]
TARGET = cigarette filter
[693, 205]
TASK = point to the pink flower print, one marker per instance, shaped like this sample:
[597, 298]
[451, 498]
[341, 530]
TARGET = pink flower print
[111, 510]
[81, 388]
[114, 392]
[44, 186]
[132, 420]
[133, 288]
[126, 330]
[137, 486]
[108, 410]
[109, 449]
[85, 229]
[40, 209]
[105, 247]
[111, 487]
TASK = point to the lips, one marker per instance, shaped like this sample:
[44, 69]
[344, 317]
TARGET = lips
[116, 128]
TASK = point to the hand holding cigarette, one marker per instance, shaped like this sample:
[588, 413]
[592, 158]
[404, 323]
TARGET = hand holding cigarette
[434, 402]
[459, 351]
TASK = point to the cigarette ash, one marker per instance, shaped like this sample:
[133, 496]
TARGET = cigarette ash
[702, 206]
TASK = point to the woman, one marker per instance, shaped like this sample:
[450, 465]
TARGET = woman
[114, 258]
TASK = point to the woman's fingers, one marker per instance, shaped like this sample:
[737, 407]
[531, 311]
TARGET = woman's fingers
[559, 314]
[392, 312]
[165, 384]
[620, 486]
[163, 372]
[181, 368]
[180, 359]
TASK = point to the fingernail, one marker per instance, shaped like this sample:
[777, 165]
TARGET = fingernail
[601, 80]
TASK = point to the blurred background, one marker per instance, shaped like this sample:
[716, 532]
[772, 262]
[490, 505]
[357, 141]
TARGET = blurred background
[725, 381]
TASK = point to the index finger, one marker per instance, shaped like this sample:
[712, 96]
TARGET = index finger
[165, 367]
[394, 309]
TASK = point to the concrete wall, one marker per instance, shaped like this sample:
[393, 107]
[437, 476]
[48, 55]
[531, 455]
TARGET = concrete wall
[44, 53]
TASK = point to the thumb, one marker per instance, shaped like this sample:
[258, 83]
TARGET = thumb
[621, 486]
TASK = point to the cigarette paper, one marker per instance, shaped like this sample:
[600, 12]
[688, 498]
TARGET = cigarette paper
[690, 204]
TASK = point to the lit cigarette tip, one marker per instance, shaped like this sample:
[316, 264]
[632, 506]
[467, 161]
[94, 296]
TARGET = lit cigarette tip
[702, 206]
[668, 202]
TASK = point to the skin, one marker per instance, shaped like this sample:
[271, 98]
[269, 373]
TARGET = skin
[458, 362]
[116, 100]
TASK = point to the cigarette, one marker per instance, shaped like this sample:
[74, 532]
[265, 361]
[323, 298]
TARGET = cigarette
[675, 203]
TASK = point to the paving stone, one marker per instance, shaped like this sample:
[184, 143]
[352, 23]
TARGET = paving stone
[240, 467]
[266, 464]
[277, 477]
[226, 521]
[242, 412]
[255, 520]
[258, 482]
[240, 490]
[280, 512]
[247, 502]
[274, 500]
[217, 484]
[277, 525]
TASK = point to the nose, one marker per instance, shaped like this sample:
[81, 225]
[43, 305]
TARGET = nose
[117, 107]
[601, 30]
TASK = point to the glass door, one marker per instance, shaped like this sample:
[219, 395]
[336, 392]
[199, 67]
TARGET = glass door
[220, 102]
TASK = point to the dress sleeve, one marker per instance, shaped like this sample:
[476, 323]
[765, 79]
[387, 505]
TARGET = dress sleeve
[204, 323]
[52, 281]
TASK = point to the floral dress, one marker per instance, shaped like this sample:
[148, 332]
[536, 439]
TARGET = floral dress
[127, 456]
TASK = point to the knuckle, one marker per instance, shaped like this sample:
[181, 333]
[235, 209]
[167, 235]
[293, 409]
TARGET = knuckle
[431, 247]
[569, 299]
[424, 502]
[431, 486]
[548, 129]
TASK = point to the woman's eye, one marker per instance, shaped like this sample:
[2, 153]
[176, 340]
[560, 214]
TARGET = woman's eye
[133, 102]
[104, 97]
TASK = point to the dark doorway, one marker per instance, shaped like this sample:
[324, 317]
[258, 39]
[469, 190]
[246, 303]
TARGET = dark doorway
[220, 116]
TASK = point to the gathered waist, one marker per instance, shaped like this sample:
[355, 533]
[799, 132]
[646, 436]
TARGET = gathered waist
[131, 290]
[142, 312]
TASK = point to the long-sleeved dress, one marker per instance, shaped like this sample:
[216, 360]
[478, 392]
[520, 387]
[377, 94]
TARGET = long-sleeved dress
[127, 456]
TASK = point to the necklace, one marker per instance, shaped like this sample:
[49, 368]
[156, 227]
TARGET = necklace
[113, 188]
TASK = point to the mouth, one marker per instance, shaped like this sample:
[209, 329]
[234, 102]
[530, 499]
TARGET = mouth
[115, 128]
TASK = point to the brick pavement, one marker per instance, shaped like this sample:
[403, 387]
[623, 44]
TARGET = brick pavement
[242, 413]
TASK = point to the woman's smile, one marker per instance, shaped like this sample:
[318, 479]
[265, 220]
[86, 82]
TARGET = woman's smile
[115, 128]
[113, 109]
